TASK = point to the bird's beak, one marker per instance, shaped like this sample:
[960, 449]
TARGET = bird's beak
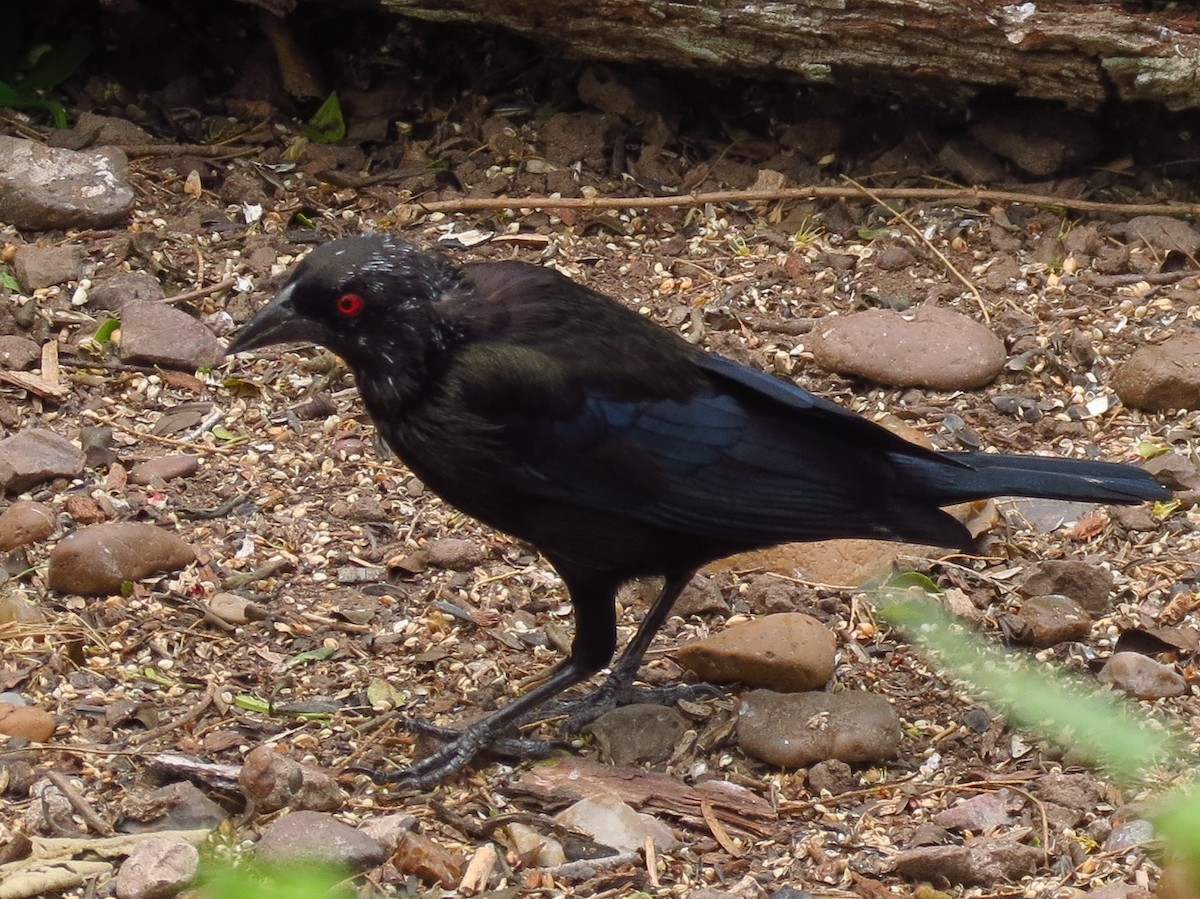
[276, 322]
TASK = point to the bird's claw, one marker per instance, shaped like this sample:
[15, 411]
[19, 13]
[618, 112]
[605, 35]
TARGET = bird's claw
[461, 747]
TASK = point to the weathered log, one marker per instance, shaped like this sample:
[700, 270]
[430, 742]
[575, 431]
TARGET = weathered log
[1084, 54]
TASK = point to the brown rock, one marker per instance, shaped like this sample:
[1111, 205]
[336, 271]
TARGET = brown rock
[26, 721]
[308, 836]
[455, 553]
[25, 522]
[924, 347]
[18, 353]
[1087, 583]
[1166, 376]
[432, 863]
[158, 334]
[158, 868]
[96, 560]
[84, 510]
[1142, 676]
[786, 652]
[1164, 233]
[794, 730]
[164, 468]
[35, 455]
[37, 266]
[641, 733]
[983, 861]
[275, 781]
[1049, 620]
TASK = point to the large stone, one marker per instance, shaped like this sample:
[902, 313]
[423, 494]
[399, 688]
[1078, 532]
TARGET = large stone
[1164, 233]
[1087, 583]
[96, 560]
[308, 836]
[18, 353]
[1142, 676]
[983, 861]
[35, 455]
[157, 869]
[1166, 376]
[46, 188]
[794, 730]
[37, 266]
[23, 523]
[924, 347]
[787, 652]
[159, 334]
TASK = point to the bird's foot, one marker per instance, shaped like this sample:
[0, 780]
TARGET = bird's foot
[459, 749]
[612, 694]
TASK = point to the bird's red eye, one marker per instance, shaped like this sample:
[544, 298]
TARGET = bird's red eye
[349, 304]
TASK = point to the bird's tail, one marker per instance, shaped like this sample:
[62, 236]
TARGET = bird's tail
[981, 475]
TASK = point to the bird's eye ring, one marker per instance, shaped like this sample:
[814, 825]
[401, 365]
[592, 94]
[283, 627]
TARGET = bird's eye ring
[349, 304]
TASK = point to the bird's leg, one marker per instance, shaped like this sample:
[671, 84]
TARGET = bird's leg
[617, 689]
[592, 649]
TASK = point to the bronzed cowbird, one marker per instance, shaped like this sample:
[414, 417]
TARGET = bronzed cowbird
[618, 449]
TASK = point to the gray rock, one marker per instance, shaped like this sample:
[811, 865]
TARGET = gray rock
[980, 812]
[924, 347]
[700, 597]
[18, 353]
[319, 837]
[35, 455]
[793, 730]
[164, 468]
[786, 652]
[1088, 584]
[608, 820]
[96, 560]
[639, 733]
[1174, 471]
[386, 830]
[1129, 835]
[97, 446]
[1046, 515]
[46, 188]
[274, 781]
[455, 553]
[833, 776]
[1166, 376]
[25, 522]
[1077, 791]
[1164, 233]
[111, 292]
[37, 266]
[159, 334]
[983, 861]
[91, 130]
[177, 806]
[1049, 620]
[157, 869]
[1142, 676]
[894, 258]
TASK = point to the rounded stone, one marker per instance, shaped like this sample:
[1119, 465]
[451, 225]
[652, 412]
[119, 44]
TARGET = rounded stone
[925, 347]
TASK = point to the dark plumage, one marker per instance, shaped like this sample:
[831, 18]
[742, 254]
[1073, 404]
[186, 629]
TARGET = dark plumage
[619, 450]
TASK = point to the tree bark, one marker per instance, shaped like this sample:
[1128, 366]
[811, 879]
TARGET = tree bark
[1084, 54]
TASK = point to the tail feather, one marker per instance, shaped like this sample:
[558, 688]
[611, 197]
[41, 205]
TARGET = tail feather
[983, 475]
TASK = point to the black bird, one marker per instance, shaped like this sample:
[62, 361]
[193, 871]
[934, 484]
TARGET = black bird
[619, 450]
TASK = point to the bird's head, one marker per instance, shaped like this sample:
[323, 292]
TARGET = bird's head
[369, 299]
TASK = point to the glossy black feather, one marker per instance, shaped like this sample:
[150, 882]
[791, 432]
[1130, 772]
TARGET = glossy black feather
[554, 413]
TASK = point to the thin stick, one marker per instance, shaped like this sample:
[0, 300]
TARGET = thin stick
[200, 292]
[966, 195]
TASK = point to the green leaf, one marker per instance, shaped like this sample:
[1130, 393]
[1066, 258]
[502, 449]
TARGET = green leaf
[225, 435]
[309, 655]
[909, 580]
[1177, 821]
[252, 703]
[872, 233]
[327, 126]
[58, 63]
[1148, 449]
[7, 279]
[106, 330]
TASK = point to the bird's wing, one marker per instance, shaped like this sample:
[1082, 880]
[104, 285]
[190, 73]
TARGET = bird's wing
[747, 455]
